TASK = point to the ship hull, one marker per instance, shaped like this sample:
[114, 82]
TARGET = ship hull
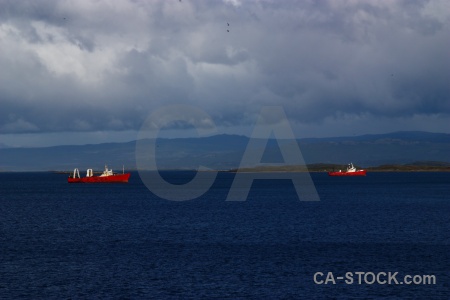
[117, 178]
[356, 173]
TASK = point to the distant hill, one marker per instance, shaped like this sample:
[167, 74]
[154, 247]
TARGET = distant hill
[225, 152]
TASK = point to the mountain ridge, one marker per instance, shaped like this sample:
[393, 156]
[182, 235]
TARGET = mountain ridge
[225, 151]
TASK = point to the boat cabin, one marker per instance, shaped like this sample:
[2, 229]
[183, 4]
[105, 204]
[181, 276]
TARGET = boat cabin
[351, 168]
[107, 172]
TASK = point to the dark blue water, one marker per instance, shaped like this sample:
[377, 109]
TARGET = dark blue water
[100, 241]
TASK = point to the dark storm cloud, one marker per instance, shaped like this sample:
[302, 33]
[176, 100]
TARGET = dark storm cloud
[98, 65]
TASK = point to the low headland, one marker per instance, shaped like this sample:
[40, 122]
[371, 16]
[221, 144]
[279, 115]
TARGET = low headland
[420, 166]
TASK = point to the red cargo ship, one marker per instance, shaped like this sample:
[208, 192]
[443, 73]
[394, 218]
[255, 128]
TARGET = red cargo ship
[351, 171]
[107, 176]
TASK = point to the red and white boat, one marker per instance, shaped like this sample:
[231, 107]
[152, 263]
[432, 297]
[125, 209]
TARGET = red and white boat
[351, 171]
[106, 176]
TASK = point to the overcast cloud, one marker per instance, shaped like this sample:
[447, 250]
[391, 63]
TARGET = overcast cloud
[337, 67]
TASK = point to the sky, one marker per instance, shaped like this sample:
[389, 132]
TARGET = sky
[79, 72]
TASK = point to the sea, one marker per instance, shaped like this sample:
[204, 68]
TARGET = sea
[121, 241]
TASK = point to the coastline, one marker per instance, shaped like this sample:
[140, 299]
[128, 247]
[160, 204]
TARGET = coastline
[313, 168]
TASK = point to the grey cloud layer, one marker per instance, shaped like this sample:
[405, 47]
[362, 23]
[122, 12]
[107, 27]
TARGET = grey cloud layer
[104, 65]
